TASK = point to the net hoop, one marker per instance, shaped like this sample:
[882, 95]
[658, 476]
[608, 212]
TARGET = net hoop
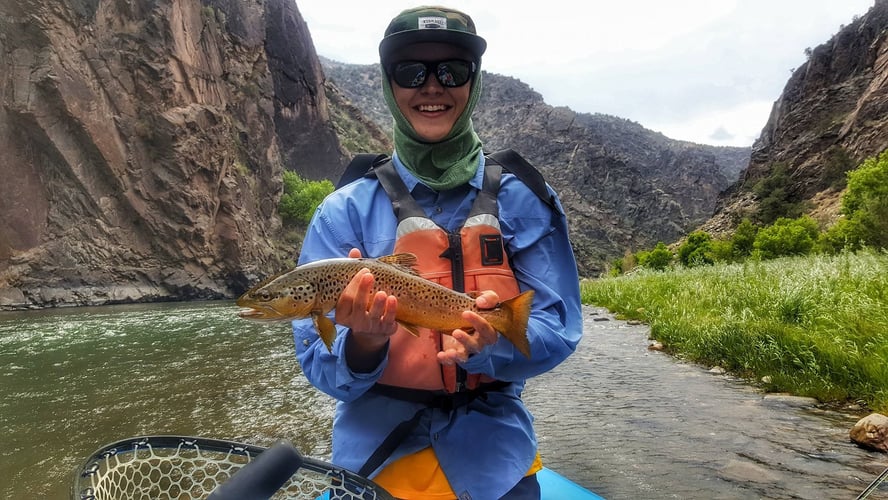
[191, 468]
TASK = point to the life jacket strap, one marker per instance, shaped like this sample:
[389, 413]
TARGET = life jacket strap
[438, 399]
[431, 399]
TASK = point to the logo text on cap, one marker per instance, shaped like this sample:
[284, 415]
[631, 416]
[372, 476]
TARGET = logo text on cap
[432, 23]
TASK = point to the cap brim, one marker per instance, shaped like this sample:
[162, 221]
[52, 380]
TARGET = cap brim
[473, 43]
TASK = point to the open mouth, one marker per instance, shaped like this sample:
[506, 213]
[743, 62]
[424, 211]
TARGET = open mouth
[432, 108]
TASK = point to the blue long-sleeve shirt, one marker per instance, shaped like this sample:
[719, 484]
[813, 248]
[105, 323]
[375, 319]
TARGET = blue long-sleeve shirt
[486, 447]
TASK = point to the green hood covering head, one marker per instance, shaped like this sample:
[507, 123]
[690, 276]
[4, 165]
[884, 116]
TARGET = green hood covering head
[452, 161]
[440, 165]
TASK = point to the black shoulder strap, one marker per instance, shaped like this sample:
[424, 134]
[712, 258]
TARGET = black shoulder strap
[403, 204]
[510, 160]
[359, 166]
[527, 173]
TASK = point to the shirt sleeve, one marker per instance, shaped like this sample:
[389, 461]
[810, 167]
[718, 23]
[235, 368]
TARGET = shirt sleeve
[332, 232]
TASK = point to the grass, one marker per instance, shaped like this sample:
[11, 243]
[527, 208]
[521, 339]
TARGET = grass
[813, 326]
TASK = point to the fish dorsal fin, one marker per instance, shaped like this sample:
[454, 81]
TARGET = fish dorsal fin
[405, 261]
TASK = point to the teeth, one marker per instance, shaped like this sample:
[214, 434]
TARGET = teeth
[429, 107]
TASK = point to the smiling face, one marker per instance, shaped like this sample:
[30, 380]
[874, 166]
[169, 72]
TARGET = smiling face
[431, 109]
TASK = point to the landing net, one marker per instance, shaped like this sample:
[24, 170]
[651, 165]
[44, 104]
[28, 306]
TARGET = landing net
[190, 468]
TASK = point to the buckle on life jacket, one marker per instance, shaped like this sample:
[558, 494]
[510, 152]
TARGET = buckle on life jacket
[492, 250]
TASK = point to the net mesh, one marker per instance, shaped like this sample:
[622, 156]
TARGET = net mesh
[167, 468]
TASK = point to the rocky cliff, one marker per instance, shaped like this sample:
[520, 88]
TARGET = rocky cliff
[142, 145]
[143, 142]
[624, 187]
[831, 115]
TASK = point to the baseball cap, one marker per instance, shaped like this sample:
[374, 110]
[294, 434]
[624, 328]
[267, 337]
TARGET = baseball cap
[431, 24]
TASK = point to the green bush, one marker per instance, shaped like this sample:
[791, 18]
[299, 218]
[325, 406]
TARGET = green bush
[722, 251]
[865, 203]
[774, 200]
[696, 250]
[864, 210]
[844, 235]
[743, 239]
[659, 258]
[301, 197]
[787, 237]
[616, 268]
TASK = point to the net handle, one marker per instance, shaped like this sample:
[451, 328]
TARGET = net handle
[262, 477]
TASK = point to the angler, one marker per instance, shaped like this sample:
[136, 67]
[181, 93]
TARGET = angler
[440, 416]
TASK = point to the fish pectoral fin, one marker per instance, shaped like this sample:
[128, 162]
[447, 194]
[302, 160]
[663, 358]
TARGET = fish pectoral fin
[413, 329]
[326, 329]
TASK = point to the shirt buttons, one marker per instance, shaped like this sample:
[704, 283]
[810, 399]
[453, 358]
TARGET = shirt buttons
[438, 210]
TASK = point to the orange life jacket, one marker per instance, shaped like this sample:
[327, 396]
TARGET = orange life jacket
[470, 260]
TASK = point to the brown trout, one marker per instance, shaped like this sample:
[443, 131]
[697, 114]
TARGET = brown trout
[313, 289]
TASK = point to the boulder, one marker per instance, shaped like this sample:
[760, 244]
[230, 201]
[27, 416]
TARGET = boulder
[871, 432]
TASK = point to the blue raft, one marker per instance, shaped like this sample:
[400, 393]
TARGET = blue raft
[554, 486]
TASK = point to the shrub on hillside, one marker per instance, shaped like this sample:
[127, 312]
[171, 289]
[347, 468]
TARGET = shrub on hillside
[786, 237]
[722, 251]
[659, 258]
[301, 197]
[864, 209]
[743, 239]
[696, 250]
[866, 201]
[774, 199]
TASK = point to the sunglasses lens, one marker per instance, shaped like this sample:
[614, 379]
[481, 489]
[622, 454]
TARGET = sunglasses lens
[409, 74]
[413, 74]
[454, 73]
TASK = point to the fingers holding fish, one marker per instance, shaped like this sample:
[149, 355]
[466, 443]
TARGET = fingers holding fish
[487, 299]
[484, 334]
[371, 319]
[365, 312]
[355, 297]
[468, 341]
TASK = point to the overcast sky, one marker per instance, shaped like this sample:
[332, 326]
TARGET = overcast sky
[706, 71]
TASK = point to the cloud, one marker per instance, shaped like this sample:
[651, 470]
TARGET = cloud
[684, 68]
[721, 134]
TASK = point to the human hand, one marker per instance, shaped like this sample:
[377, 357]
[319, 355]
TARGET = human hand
[370, 316]
[460, 344]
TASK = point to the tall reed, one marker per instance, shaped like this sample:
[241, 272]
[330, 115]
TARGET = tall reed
[814, 326]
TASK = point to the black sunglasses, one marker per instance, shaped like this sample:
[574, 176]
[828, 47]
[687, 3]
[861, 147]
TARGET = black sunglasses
[450, 73]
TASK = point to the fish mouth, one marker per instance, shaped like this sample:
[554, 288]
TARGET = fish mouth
[258, 314]
[251, 313]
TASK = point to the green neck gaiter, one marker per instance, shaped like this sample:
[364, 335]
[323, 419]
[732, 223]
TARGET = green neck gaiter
[440, 165]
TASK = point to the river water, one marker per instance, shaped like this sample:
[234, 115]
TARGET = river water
[617, 418]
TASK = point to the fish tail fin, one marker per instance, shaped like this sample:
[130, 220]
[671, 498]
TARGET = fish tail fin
[513, 323]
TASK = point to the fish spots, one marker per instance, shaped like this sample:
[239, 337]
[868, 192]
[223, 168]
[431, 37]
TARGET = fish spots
[303, 293]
